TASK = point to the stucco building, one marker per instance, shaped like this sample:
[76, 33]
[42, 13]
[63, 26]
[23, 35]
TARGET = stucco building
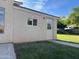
[20, 24]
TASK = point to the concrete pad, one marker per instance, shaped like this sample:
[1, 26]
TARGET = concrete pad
[7, 51]
[65, 43]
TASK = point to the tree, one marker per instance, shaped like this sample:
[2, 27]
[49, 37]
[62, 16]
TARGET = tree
[74, 17]
[76, 10]
[60, 24]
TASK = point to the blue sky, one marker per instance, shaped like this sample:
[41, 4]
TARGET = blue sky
[53, 7]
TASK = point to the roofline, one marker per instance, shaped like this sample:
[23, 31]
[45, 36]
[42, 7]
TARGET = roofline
[36, 11]
[18, 3]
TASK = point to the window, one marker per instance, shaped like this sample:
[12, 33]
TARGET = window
[49, 26]
[32, 22]
[35, 22]
[29, 22]
[2, 18]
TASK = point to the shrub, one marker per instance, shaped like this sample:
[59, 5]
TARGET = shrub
[1, 30]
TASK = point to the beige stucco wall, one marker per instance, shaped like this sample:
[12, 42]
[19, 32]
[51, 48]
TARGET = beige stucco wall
[52, 34]
[54, 28]
[16, 28]
[7, 35]
[22, 32]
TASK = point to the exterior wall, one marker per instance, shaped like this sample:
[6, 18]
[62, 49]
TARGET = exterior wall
[7, 35]
[54, 28]
[24, 32]
[50, 31]
[16, 28]
[51, 34]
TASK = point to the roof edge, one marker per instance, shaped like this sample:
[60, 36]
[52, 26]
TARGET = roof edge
[35, 10]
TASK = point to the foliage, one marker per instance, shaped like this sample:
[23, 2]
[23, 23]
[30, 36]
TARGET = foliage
[61, 31]
[1, 31]
[74, 17]
[61, 24]
[76, 10]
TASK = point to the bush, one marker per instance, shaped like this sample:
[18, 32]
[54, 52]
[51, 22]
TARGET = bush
[1, 31]
[76, 27]
[68, 31]
[72, 31]
[61, 31]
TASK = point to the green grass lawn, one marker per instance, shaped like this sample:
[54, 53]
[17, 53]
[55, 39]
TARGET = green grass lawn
[69, 38]
[45, 50]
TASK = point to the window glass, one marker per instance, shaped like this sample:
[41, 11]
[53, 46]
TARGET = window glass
[35, 22]
[49, 26]
[2, 18]
[29, 21]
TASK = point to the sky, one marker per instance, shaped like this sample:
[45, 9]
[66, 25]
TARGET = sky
[53, 7]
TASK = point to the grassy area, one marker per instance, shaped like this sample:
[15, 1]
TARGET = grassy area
[45, 50]
[70, 38]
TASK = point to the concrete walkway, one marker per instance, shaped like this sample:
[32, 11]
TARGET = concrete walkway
[7, 51]
[66, 43]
